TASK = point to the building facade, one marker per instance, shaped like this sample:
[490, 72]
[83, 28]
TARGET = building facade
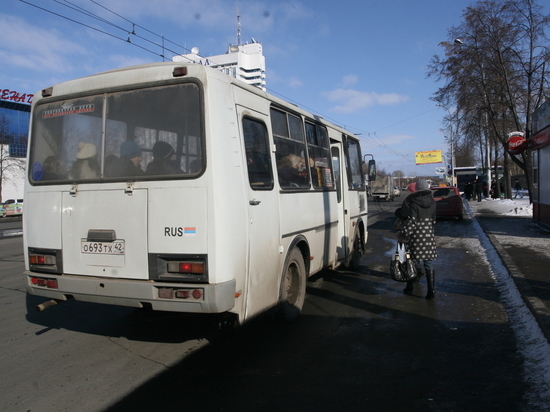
[244, 62]
[14, 126]
[540, 145]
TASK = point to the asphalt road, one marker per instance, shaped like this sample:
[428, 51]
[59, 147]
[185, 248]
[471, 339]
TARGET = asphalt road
[360, 344]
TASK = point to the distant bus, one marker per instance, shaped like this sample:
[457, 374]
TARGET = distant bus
[235, 199]
[470, 173]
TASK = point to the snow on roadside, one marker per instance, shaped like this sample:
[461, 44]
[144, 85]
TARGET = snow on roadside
[507, 207]
[531, 342]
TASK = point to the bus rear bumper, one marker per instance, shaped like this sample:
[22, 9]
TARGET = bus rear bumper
[175, 297]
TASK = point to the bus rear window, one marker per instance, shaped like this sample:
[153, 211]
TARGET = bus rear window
[143, 134]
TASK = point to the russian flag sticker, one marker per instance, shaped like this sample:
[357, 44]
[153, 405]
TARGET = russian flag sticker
[189, 230]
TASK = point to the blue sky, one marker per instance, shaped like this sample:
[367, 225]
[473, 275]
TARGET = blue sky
[359, 63]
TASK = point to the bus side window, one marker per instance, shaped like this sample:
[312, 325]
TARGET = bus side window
[291, 154]
[319, 158]
[258, 160]
[354, 166]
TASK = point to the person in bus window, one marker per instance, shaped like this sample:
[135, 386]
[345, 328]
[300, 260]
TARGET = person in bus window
[292, 171]
[85, 165]
[52, 168]
[130, 159]
[163, 160]
[112, 166]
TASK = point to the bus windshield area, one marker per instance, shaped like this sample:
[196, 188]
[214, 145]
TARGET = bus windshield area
[144, 134]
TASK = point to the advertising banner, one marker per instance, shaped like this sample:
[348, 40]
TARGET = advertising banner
[426, 158]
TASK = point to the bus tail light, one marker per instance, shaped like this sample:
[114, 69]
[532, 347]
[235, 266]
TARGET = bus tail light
[179, 71]
[42, 260]
[44, 282]
[45, 260]
[187, 268]
[178, 268]
[181, 293]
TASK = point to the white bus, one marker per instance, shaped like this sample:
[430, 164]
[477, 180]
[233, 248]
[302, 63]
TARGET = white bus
[178, 188]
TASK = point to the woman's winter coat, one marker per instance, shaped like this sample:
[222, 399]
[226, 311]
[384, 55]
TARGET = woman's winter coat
[418, 216]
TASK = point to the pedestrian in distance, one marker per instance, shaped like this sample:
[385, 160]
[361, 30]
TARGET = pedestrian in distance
[493, 191]
[418, 214]
[479, 189]
[468, 191]
[517, 187]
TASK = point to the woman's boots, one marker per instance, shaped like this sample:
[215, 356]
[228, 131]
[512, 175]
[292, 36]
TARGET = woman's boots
[409, 288]
[430, 279]
[419, 273]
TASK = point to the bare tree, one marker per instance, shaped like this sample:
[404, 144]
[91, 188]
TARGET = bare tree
[11, 168]
[495, 72]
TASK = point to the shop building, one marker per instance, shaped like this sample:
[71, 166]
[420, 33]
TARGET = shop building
[14, 122]
[540, 145]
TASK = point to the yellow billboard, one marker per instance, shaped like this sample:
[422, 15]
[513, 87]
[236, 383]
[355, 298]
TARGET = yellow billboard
[426, 158]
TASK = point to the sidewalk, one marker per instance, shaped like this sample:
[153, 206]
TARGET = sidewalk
[524, 248]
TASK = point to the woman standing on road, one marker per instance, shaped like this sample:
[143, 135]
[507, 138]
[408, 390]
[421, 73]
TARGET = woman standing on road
[418, 216]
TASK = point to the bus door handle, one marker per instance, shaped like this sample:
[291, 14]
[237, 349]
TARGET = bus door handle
[254, 202]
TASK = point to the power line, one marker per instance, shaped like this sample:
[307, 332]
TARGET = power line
[372, 136]
[105, 21]
[90, 27]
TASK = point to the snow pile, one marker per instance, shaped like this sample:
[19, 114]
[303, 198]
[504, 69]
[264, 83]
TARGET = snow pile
[507, 207]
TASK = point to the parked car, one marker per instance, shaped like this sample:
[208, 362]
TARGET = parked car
[12, 207]
[396, 191]
[448, 202]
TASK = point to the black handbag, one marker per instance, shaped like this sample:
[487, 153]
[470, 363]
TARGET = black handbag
[402, 267]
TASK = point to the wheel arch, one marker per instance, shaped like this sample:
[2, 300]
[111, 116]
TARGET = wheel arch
[301, 243]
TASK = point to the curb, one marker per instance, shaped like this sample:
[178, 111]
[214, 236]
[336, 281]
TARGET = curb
[535, 304]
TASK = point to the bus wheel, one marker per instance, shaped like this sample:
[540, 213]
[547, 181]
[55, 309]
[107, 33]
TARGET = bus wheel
[292, 292]
[357, 253]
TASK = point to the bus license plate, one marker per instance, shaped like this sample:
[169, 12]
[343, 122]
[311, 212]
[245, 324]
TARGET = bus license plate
[103, 248]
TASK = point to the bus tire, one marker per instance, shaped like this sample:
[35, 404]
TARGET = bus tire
[292, 291]
[357, 253]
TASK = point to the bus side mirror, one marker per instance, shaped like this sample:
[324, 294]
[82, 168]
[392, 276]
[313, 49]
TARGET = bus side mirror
[372, 170]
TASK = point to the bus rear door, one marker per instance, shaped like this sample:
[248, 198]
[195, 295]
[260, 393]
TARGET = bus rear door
[263, 213]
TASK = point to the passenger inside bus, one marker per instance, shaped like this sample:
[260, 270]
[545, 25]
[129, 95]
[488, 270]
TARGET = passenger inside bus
[292, 171]
[112, 164]
[85, 166]
[163, 160]
[130, 159]
[52, 168]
